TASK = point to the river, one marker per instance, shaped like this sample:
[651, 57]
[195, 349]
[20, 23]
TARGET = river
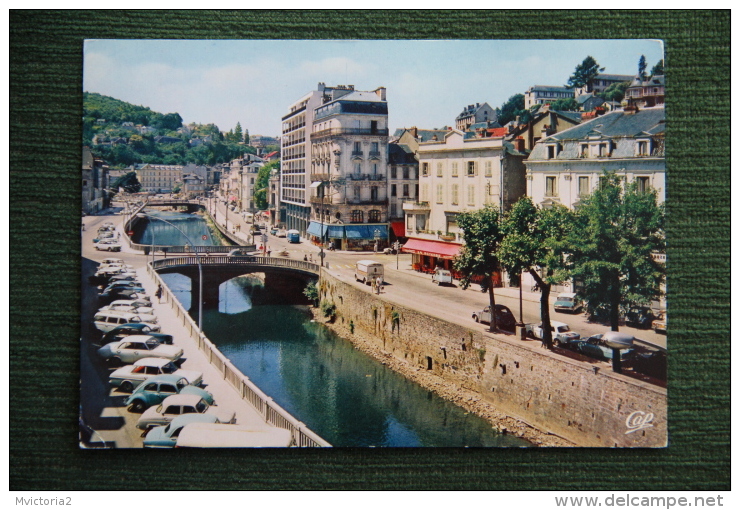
[339, 392]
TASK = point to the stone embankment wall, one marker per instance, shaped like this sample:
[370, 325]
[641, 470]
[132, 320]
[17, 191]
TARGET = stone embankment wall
[572, 399]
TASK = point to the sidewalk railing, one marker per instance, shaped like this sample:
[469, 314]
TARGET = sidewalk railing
[271, 412]
[237, 260]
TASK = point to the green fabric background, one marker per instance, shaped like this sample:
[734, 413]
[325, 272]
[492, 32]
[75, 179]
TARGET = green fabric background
[45, 111]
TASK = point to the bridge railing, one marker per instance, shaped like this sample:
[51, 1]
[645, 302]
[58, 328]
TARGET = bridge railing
[217, 260]
[267, 408]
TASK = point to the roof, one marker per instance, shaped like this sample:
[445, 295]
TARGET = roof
[361, 95]
[152, 362]
[551, 88]
[182, 399]
[471, 109]
[614, 77]
[618, 123]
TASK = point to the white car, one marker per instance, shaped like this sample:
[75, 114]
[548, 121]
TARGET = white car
[135, 347]
[441, 276]
[177, 405]
[129, 377]
[108, 245]
[144, 302]
[105, 320]
[122, 306]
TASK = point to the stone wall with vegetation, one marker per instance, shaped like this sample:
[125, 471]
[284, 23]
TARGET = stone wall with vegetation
[569, 398]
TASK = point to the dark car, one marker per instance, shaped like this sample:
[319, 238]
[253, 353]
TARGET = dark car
[654, 364]
[639, 317]
[134, 328]
[595, 347]
[504, 318]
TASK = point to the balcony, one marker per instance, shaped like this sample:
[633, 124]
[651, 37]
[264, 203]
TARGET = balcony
[348, 131]
[413, 206]
[374, 154]
[365, 177]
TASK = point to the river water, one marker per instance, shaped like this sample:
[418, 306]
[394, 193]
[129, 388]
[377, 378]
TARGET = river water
[340, 393]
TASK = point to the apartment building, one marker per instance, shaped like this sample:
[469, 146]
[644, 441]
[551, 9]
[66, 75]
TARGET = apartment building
[349, 164]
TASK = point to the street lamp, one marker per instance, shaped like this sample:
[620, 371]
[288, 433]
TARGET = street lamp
[200, 267]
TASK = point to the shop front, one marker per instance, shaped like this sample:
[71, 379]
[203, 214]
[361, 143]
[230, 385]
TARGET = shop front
[428, 255]
[353, 237]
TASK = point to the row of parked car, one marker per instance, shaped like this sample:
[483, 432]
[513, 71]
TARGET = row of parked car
[175, 409]
[107, 238]
[642, 317]
[644, 361]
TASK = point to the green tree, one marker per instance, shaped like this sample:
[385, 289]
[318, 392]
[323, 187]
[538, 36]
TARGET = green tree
[615, 91]
[584, 74]
[479, 256]
[128, 182]
[513, 108]
[238, 136]
[657, 69]
[565, 105]
[617, 232]
[536, 240]
[262, 184]
[641, 68]
[170, 122]
[246, 136]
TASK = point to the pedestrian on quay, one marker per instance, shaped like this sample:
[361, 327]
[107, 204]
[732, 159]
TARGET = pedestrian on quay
[159, 293]
[373, 285]
[379, 284]
[305, 258]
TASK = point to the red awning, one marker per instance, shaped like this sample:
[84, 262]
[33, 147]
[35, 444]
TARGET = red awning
[432, 248]
[398, 228]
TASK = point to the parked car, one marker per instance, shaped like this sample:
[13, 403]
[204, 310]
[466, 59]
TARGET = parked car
[177, 405]
[441, 276]
[108, 246]
[130, 376]
[159, 387]
[125, 330]
[117, 305]
[219, 435]
[134, 347]
[595, 347]
[136, 287]
[567, 302]
[660, 323]
[111, 261]
[639, 317]
[654, 364]
[105, 320]
[561, 333]
[504, 318]
[165, 436]
[141, 303]
[282, 232]
[273, 231]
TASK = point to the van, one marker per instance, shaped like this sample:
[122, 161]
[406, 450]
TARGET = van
[294, 236]
[105, 320]
[220, 435]
[368, 270]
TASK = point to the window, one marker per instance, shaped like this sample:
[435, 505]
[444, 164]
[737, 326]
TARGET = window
[643, 184]
[416, 190]
[602, 150]
[551, 186]
[358, 168]
[453, 192]
[489, 168]
[440, 193]
[471, 194]
[584, 150]
[393, 190]
[356, 216]
[374, 147]
[393, 172]
[472, 168]
[550, 152]
[405, 172]
[373, 216]
[583, 187]
[393, 210]
[424, 193]
[454, 169]
[374, 193]
[357, 191]
[642, 148]
[439, 169]
[425, 169]
[405, 190]
[357, 149]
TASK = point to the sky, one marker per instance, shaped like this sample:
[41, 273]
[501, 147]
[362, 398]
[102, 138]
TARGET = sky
[254, 82]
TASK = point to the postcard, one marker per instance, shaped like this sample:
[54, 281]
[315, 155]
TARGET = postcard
[373, 243]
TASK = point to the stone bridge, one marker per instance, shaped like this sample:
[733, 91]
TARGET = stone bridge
[286, 278]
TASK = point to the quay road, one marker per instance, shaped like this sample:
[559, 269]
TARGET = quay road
[413, 289]
[102, 408]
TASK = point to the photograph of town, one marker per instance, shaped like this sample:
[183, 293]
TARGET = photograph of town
[373, 243]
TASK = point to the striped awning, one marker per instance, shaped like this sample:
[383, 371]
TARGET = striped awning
[432, 248]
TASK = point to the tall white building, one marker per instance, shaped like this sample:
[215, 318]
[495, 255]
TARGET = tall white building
[349, 165]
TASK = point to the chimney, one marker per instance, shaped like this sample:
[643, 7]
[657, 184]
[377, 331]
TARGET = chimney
[380, 91]
[414, 132]
[519, 144]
